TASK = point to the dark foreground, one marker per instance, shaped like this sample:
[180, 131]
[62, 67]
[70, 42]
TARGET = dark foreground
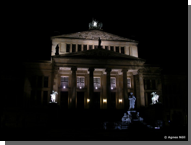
[81, 125]
[90, 134]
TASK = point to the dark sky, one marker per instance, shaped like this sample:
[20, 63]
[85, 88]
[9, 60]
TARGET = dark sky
[161, 28]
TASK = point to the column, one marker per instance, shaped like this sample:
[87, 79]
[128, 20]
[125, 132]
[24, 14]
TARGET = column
[70, 48]
[73, 85]
[141, 86]
[108, 86]
[91, 86]
[76, 47]
[125, 94]
[53, 48]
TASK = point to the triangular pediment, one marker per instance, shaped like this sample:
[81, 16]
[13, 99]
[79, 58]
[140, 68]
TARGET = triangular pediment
[98, 54]
[94, 34]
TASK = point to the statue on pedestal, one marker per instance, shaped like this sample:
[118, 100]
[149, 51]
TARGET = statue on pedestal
[132, 100]
[99, 44]
[154, 98]
[57, 50]
[53, 96]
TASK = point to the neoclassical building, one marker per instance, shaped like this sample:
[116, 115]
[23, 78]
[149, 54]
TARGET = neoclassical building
[92, 69]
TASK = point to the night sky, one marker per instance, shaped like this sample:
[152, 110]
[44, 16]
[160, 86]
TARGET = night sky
[161, 28]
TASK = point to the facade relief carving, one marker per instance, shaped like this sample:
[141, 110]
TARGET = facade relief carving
[94, 34]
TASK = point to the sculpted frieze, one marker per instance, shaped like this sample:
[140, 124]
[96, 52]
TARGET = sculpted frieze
[94, 34]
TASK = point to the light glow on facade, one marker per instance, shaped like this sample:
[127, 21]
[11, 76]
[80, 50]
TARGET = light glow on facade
[104, 100]
[88, 100]
[120, 100]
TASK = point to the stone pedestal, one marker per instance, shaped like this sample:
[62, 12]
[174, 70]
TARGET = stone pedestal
[52, 114]
[154, 113]
[134, 115]
[131, 116]
[156, 110]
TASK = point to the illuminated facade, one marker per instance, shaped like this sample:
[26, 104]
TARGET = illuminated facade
[87, 75]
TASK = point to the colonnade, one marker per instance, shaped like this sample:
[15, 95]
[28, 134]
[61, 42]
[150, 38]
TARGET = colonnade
[140, 97]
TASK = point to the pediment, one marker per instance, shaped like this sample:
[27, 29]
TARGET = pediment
[94, 34]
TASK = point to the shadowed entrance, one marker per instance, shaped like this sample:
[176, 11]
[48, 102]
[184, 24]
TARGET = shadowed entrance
[64, 99]
[113, 101]
[80, 100]
[96, 100]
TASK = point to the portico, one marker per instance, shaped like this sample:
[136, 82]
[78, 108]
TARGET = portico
[104, 87]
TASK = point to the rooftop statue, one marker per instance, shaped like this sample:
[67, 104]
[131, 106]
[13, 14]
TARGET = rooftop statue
[99, 44]
[95, 25]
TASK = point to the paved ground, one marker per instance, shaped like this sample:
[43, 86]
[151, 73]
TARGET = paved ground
[90, 133]
[77, 126]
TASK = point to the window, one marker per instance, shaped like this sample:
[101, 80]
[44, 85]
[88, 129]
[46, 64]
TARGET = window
[79, 47]
[64, 82]
[149, 84]
[117, 49]
[106, 48]
[80, 82]
[90, 47]
[111, 48]
[39, 82]
[67, 47]
[85, 47]
[122, 50]
[45, 82]
[113, 83]
[95, 46]
[73, 47]
[97, 83]
[153, 84]
[128, 83]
